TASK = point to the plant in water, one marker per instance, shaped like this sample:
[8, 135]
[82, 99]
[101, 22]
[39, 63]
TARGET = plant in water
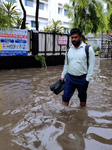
[41, 59]
[94, 48]
[97, 51]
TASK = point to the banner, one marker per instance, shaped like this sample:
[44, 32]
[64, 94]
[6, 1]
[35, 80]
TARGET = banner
[62, 40]
[13, 42]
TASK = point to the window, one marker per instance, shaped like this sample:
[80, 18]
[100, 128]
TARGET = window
[41, 6]
[33, 24]
[10, 1]
[29, 3]
[65, 11]
[65, 30]
[45, 0]
[59, 10]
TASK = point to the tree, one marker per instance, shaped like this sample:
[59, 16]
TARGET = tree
[9, 17]
[110, 22]
[109, 4]
[36, 16]
[3, 18]
[54, 27]
[109, 15]
[18, 22]
[87, 15]
[23, 25]
[9, 9]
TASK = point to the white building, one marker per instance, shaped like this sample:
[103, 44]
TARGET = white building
[48, 10]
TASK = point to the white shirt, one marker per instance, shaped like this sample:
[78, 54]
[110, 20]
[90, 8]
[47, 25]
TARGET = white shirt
[76, 62]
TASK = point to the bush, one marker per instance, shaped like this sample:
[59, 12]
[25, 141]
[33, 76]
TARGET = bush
[94, 48]
[41, 59]
[98, 49]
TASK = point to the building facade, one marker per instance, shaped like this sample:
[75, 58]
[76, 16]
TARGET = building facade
[48, 10]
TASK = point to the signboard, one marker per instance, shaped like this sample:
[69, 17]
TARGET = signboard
[13, 42]
[62, 40]
[110, 33]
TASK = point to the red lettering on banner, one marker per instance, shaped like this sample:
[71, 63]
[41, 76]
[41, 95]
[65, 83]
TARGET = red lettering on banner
[13, 36]
[62, 40]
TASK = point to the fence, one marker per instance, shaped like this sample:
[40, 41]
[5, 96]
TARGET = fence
[106, 46]
[43, 43]
[106, 50]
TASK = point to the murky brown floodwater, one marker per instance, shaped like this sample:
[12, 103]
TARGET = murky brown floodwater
[32, 117]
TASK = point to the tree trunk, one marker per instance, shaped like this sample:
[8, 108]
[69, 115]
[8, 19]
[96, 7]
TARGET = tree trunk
[36, 16]
[23, 25]
[73, 4]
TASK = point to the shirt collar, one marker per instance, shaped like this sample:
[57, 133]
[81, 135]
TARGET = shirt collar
[81, 45]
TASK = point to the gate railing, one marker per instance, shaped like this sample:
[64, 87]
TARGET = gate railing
[46, 43]
[106, 46]
[42, 43]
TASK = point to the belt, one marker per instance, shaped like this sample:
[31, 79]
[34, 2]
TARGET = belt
[84, 75]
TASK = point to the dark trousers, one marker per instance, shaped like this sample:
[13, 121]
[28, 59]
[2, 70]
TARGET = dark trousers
[72, 83]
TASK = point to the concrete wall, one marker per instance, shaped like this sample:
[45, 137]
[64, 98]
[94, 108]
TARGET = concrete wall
[94, 43]
[18, 62]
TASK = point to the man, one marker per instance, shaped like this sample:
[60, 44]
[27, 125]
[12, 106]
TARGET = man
[75, 70]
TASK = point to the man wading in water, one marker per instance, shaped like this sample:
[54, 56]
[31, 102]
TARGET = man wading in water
[75, 70]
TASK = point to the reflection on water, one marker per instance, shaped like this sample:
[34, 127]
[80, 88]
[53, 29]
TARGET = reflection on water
[32, 117]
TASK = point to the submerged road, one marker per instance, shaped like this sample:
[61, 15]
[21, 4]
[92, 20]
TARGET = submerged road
[32, 117]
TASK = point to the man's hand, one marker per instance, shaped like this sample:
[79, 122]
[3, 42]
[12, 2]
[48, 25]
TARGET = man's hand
[62, 79]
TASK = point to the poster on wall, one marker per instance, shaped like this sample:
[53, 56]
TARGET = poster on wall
[62, 40]
[13, 42]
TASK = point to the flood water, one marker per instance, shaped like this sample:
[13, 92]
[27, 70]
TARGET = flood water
[32, 117]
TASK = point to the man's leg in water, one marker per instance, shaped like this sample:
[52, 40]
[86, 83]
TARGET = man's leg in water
[82, 92]
[69, 89]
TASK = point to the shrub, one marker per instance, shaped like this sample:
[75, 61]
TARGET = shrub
[98, 49]
[41, 59]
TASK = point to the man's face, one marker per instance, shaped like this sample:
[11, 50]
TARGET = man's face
[76, 39]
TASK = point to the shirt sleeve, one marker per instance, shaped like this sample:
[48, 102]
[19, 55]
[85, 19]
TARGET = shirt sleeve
[65, 68]
[91, 61]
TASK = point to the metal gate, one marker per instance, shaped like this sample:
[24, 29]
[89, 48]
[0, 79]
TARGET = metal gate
[43, 43]
[106, 46]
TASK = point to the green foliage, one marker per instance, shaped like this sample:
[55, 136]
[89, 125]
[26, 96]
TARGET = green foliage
[94, 48]
[41, 59]
[87, 15]
[17, 22]
[8, 14]
[3, 18]
[98, 49]
[97, 53]
[47, 29]
[10, 11]
[108, 16]
[110, 22]
[84, 39]
[55, 26]
[109, 4]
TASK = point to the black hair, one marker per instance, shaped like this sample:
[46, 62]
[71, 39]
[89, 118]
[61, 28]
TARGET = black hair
[76, 30]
